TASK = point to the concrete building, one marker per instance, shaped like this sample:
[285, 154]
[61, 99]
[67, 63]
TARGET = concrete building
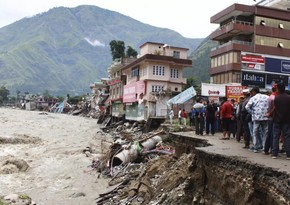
[152, 79]
[254, 44]
[116, 82]
[100, 92]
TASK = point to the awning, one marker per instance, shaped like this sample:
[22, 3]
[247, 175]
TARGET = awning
[182, 97]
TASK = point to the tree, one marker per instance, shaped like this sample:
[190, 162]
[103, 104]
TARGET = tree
[131, 52]
[46, 94]
[4, 92]
[192, 81]
[117, 49]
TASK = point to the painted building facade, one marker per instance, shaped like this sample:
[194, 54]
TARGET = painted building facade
[116, 83]
[152, 79]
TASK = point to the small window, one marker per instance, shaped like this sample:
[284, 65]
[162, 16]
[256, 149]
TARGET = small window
[176, 54]
[174, 73]
[156, 88]
[280, 45]
[281, 25]
[135, 72]
[262, 23]
[159, 70]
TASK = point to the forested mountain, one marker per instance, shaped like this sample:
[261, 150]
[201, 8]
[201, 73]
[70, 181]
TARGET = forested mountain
[66, 49]
[201, 61]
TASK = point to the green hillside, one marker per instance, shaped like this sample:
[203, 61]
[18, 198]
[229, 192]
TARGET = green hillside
[201, 61]
[65, 49]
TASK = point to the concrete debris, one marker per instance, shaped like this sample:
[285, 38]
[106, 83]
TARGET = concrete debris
[17, 199]
[126, 160]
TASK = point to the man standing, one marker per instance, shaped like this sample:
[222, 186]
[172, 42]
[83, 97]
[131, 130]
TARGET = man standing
[258, 107]
[179, 116]
[184, 117]
[246, 117]
[171, 115]
[199, 116]
[281, 121]
[191, 117]
[210, 115]
[226, 114]
[233, 125]
[240, 127]
[269, 139]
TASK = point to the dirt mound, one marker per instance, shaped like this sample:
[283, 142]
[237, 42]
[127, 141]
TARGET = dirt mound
[19, 139]
[11, 165]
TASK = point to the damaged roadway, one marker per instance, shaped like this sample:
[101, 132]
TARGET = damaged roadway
[232, 148]
[203, 170]
[233, 175]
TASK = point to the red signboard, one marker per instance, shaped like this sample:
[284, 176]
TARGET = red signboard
[112, 82]
[252, 59]
[234, 92]
[132, 91]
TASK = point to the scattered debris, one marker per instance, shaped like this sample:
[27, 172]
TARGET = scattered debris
[11, 165]
[17, 199]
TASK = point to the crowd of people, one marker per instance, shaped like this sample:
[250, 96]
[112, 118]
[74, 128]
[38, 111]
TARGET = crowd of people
[257, 119]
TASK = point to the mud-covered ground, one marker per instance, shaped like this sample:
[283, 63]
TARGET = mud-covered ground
[41, 155]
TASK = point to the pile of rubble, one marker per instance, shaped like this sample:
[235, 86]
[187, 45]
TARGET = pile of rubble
[161, 180]
[142, 167]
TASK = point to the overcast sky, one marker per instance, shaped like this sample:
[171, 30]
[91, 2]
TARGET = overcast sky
[190, 18]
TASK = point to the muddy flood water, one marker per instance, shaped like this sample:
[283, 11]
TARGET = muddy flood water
[41, 155]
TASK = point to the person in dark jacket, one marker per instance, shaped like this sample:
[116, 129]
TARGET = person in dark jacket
[240, 124]
[210, 116]
[246, 118]
[281, 121]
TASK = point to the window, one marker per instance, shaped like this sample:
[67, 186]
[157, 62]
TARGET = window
[135, 72]
[145, 71]
[157, 88]
[174, 73]
[281, 25]
[263, 23]
[158, 70]
[280, 45]
[176, 54]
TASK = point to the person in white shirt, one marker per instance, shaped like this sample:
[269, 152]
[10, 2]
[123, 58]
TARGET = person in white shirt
[258, 107]
[179, 116]
[171, 115]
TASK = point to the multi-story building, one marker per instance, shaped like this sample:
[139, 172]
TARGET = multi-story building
[152, 79]
[254, 44]
[116, 83]
[100, 94]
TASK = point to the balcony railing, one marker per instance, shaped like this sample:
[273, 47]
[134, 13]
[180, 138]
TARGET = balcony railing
[233, 42]
[236, 22]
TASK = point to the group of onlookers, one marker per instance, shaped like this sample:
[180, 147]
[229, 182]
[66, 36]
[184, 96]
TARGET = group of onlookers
[260, 119]
[265, 120]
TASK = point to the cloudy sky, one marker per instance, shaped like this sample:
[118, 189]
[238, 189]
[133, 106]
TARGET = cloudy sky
[190, 18]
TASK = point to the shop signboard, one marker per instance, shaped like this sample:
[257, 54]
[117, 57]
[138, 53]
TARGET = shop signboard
[252, 61]
[276, 65]
[209, 89]
[234, 92]
[133, 91]
[276, 78]
[285, 66]
[252, 79]
[182, 97]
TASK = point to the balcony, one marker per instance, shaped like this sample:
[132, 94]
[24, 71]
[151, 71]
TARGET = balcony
[234, 45]
[232, 29]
